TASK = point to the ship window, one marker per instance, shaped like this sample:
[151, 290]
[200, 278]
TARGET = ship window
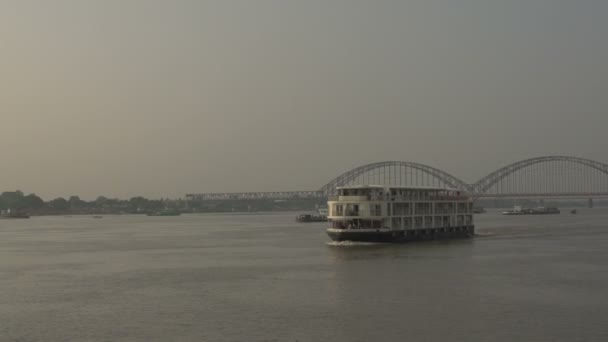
[376, 210]
[339, 210]
[352, 210]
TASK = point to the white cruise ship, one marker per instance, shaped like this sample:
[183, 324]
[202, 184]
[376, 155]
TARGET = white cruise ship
[373, 213]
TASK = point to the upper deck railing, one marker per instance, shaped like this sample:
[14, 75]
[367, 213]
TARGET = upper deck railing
[379, 198]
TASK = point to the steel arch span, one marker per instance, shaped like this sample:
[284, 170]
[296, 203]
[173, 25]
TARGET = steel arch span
[398, 173]
[548, 175]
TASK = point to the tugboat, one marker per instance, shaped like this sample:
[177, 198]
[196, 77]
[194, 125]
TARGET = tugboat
[375, 213]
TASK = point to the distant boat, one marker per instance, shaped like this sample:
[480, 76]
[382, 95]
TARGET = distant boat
[311, 218]
[573, 211]
[479, 210]
[9, 214]
[518, 210]
[97, 216]
[165, 213]
[321, 216]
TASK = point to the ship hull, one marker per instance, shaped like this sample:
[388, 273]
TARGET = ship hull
[400, 236]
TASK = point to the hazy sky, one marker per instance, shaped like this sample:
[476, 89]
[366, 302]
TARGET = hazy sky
[162, 98]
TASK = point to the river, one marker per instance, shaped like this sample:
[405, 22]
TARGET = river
[264, 277]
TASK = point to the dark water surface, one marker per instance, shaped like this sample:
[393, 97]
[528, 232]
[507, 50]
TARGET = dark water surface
[266, 278]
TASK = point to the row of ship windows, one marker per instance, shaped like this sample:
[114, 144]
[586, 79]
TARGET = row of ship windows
[397, 194]
[404, 209]
[406, 222]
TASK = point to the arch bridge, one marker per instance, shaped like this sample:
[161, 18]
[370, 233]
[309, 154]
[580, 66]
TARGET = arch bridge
[547, 176]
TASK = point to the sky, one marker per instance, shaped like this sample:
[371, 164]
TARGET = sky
[162, 98]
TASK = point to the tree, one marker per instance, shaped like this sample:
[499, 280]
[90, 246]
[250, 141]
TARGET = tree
[11, 199]
[59, 204]
[76, 203]
[30, 202]
[138, 203]
[101, 200]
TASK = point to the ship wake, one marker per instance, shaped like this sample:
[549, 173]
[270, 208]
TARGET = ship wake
[351, 243]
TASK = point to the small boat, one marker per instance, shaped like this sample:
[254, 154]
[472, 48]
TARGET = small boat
[573, 211]
[479, 210]
[165, 212]
[323, 211]
[9, 214]
[97, 216]
[518, 210]
[311, 218]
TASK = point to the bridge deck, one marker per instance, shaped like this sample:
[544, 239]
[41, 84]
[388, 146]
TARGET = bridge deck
[274, 195]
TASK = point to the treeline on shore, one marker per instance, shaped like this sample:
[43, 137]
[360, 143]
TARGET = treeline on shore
[32, 204]
[17, 201]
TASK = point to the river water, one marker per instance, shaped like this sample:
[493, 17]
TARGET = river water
[263, 277]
